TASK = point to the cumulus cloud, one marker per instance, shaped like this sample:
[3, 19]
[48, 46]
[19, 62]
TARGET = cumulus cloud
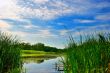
[30, 26]
[9, 9]
[40, 1]
[22, 34]
[51, 9]
[87, 30]
[105, 16]
[46, 9]
[83, 20]
[102, 4]
[4, 25]
[64, 32]
[19, 34]
[46, 33]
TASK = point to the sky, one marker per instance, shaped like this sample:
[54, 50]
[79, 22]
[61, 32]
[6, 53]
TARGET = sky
[51, 21]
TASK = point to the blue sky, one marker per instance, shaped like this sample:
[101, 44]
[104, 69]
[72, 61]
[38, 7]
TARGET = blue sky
[44, 21]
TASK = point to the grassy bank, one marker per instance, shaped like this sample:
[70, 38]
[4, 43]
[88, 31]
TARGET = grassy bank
[37, 54]
[92, 55]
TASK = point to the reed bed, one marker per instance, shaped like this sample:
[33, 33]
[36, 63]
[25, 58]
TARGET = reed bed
[92, 55]
[9, 54]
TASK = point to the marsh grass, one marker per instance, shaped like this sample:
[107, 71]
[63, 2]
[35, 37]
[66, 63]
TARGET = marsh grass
[9, 53]
[90, 56]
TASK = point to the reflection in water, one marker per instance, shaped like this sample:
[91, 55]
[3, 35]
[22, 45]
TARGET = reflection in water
[35, 60]
[40, 61]
[40, 65]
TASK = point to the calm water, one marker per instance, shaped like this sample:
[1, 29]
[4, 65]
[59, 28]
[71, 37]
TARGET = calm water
[35, 65]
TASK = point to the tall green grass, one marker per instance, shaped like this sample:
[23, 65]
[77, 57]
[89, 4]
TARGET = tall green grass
[90, 56]
[9, 53]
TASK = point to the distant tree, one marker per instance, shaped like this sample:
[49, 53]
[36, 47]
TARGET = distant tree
[39, 46]
[50, 49]
[25, 46]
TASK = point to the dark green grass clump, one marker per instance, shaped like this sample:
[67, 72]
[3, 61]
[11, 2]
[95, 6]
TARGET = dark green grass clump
[90, 56]
[9, 53]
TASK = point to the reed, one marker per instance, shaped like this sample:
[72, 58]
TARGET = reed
[90, 56]
[9, 53]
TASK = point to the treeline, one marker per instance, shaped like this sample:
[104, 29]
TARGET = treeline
[39, 47]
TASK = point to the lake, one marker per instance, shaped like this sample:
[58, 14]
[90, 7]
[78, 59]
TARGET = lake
[40, 65]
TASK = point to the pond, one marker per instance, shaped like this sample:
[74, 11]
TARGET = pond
[40, 65]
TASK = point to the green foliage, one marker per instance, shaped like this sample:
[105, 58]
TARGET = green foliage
[91, 56]
[32, 52]
[37, 54]
[9, 53]
[25, 46]
[39, 47]
[15, 70]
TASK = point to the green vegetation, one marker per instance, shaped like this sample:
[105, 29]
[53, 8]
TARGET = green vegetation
[36, 60]
[37, 54]
[32, 52]
[90, 56]
[9, 54]
[11, 51]
[39, 47]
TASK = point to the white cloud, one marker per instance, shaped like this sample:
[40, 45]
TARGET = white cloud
[4, 25]
[101, 26]
[81, 30]
[50, 9]
[44, 12]
[91, 30]
[7, 28]
[61, 24]
[40, 1]
[102, 5]
[30, 26]
[41, 33]
[45, 9]
[64, 32]
[105, 16]
[19, 34]
[83, 21]
[9, 9]
[46, 33]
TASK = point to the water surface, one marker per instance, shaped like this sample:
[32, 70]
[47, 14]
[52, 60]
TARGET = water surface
[38, 65]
